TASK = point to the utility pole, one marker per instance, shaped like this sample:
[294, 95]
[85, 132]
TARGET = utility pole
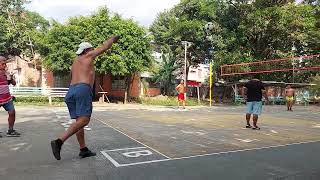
[186, 46]
[293, 62]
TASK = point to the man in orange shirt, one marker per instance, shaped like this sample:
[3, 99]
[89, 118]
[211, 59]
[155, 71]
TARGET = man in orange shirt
[181, 89]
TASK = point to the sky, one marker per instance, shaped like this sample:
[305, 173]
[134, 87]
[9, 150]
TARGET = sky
[142, 11]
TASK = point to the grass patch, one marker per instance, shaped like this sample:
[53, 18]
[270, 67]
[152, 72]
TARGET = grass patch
[38, 101]
[167, 101]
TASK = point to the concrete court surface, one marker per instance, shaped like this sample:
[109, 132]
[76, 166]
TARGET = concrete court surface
[166, 143]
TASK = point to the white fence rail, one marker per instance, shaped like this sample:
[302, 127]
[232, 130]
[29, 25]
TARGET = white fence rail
[38, 91]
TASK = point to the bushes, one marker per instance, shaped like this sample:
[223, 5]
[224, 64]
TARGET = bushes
[38, 100]
[158, 101]
[167, 101]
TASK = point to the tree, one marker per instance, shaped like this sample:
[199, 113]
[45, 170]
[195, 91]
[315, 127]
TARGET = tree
[185, 22]
[316, 88]
[19, 28]
[165, 75]
[246, 31]
[272, 32]
[132, 54]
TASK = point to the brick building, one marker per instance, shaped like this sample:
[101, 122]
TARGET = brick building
[27, 75]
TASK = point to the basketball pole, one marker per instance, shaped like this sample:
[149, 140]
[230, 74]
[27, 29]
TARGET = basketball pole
[210, 85]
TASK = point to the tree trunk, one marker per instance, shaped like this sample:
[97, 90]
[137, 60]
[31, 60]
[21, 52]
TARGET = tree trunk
[129, 80]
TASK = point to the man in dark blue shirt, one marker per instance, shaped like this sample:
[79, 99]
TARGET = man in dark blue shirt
[253, 92]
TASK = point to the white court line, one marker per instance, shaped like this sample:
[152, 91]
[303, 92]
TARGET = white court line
[115, 163]
[130, 137]
[219, 153]
[125, 149]
[145, 162]
[189, 157]
[244, 150]
[202, 155]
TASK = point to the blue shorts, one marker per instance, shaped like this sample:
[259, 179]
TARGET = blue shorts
[79, 100]
[254, 107]
[8, 106]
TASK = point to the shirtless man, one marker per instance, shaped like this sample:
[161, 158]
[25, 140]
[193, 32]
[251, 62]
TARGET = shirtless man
[181, 89]
[290, 94]
[79, 96]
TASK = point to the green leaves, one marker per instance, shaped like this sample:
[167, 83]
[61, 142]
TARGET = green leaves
[316, 88]
[131, 54]
[245, 31]
[165, 75]
[18, 28]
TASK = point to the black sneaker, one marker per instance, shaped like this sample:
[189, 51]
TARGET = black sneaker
[256, 128]
[13, 133]
[56, 148]
[0, 135]
[87, 153]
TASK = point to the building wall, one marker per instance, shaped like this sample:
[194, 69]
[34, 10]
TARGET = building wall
[25, 73]
[106, 83]
[153, 92]
[47, 78]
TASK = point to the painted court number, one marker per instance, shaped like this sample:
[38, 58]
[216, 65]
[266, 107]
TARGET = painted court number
[132, 156]
[135, 154]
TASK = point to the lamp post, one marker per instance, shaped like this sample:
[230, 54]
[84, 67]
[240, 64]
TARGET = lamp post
[293, 62]
[186, 46]
[210, 75]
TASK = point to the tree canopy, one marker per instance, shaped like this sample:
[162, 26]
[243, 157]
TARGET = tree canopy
[130, 55]
[245, 31]
[19, 27]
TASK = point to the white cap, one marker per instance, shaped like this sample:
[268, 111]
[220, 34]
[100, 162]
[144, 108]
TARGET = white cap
[83, 46]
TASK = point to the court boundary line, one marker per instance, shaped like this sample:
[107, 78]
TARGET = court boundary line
[144, 162]
[245, 150]
[200, 155]
[116, 164]
[112, 150]
[131, 137]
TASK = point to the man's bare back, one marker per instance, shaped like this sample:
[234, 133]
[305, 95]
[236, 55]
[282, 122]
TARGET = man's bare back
[82, 71]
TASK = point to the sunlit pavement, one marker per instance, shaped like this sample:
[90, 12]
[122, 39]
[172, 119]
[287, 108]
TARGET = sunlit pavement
[145, 143]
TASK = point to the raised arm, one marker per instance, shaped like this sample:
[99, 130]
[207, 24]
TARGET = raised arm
[106, 46]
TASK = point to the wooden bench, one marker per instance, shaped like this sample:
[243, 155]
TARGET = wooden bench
[104, 94]
[38, 92]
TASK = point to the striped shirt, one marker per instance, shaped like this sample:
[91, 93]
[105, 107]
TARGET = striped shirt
[5, 96]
